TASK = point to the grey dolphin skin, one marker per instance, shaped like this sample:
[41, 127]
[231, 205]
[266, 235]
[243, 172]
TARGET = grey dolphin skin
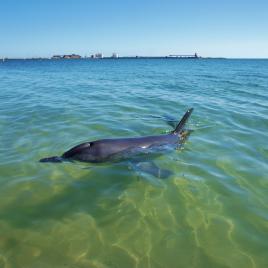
[108, 149]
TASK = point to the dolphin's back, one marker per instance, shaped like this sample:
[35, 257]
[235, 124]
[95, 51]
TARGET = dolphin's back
[117, 145]
[100, 150]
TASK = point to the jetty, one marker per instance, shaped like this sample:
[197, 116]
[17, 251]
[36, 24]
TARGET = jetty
[194, 56]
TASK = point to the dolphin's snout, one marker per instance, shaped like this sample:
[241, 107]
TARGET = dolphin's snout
[53, 159]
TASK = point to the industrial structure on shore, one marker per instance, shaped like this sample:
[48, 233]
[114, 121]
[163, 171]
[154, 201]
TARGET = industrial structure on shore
[194, 56]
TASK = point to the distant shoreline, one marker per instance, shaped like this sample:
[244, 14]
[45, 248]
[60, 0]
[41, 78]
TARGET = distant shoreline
[129, 57]
[118, 58]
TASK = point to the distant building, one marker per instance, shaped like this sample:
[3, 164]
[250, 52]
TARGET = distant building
[72, 56]
[56, 57]
[115, 55]
[98, 55]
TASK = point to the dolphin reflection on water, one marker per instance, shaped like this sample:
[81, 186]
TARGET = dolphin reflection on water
[106, 150]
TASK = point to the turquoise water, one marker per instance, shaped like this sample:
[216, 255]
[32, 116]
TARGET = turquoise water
[213, 210]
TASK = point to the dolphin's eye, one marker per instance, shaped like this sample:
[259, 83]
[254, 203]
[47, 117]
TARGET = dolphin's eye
[89, 145]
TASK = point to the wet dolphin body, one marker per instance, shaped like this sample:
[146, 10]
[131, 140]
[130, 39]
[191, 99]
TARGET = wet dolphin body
[108, 149]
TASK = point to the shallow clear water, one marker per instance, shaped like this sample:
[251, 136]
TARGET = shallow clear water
[213, 210]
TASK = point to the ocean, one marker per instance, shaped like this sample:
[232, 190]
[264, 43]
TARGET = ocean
[211, 212]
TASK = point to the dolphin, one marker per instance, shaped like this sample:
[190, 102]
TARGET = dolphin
[104, 150]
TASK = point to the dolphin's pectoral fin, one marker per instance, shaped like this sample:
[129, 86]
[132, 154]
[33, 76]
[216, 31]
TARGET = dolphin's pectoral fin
[152, 169]
[170, 120]
[171, 123]
[167, 118]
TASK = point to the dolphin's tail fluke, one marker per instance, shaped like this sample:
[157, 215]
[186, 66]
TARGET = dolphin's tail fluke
[53, 159]
[180, 126]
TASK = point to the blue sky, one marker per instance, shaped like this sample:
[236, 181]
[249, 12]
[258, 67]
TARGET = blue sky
[30, 28]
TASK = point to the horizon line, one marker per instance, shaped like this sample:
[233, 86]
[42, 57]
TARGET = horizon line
[132, 57]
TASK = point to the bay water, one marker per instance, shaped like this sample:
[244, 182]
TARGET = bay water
[211, 212]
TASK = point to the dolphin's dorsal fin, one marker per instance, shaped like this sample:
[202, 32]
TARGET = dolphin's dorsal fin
[183, 121]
